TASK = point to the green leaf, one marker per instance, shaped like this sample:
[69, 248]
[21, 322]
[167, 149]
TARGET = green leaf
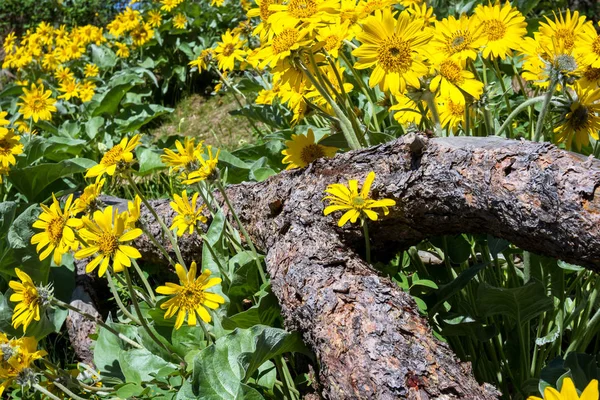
[262, 173]
[129, 390]
[338, 140]
[188, 338]
[103, 57]
[133, 118]
[139, 365]
[31, 181]
[93, 125]
[521, 303]
[214, 238]
[7, 215]
[107, 348]
[149, 160]
[109, 101]
[220, 369]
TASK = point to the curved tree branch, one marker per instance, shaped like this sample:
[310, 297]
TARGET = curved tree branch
[366, 333]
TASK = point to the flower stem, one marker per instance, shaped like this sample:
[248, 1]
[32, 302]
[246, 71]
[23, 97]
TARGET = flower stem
[145, 282]
[517, 110]
[539, 128]
[367, 241]
[113, 289]
[430, 100]
[166, 230]
[66, 390]
[505, 94]
[244, 231]
[44, 391]
[143, 321]
[159, 246]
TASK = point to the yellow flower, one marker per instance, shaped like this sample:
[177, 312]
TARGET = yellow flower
[26, 294]
[286, 39]
[86, 202]
[168, 5]
[263, 29]
[179, 21]
[9, 43]
[544, 59]
[57, 234]
[307, 12]
[452, 79]
[16, 357]
[9, 147]
[37, 103]
[503, 27]
[407, 110]
[207, 169]
[122, 50]
[142, 34]
[568, 392]
[452, 113]
[589, 47]
[462, 37]
[187, 215]
[154, 18]
[63, 74]
[3, 123]
[91, 70]
[358, 205]
[70, 89]
[590, 77]
[566, 30]
[87, 91]
[396, 48]
[190, 296]
[117, 159]
[332, 36]
[302, 150]
[581, 120]
[186, 156]
[229, 50]
[23, 127]
[104, 237]
[203, 60]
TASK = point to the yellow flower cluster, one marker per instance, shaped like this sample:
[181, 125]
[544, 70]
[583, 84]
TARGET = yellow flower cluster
[194, 162]
[10, 145]
[16, 359]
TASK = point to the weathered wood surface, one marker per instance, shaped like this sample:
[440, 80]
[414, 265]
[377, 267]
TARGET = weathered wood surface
[369, 339]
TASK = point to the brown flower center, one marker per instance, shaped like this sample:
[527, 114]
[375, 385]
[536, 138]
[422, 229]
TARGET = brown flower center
[228, 49]
[312, 152]
[302, 8]
[285, 40]
[395, 55]
[55, 230]
[494, 29]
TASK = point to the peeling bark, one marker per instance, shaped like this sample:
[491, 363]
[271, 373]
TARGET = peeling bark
[368, 337]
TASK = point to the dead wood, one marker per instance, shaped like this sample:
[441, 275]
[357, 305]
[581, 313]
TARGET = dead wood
[369, 339]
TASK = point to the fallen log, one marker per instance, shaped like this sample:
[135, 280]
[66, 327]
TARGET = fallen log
[368, 337]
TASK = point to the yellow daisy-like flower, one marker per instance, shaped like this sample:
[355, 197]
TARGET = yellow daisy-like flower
[37, 103]
[590, 77]
[69, 88]
[358, 205]
[566, 30]
[190, 296]
[229, 50]
[57, 235]
[582, 119]
[105, 237]
[26, 294]
[396, 48]
[203, 60]
[286, 40]
[117, 159]
[122, 50]
[142, 34]
[307, 12]
[91, 70]
[3, 123]
[452, 114]
[407, 110]
[154, 18]
[452, 79]
[569, 392]
[461, 37]
[63, 74]
[332, 36]
[16, 357]
[179, 21]
[302, 150]
[188, 215]
[10, 146]
[589, 47]
[503, 27]
[207, 168]
[86, 202]
[168, 5]
[186, 156]
[87, 91]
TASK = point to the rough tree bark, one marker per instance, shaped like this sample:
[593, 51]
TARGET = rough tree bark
[368, 337]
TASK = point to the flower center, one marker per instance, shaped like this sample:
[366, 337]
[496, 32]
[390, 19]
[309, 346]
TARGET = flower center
[38, 104]
[108, 244]
[191, 296]
[5, 147]
[460, 41]
[55, 229]
[302, 8]
[265, 13]
[394, 55]
[228, 50]
[285, 40]
[596, 45]
[494, 29]
[112, 156]
[450, 70]
[331, 42]
[349, 15]
[456, 109]
[358, 202]
[579, 118]
[566, 36]
[591, 73]
[7, 351]
[189, 218]
[566, 63]
[311, 152]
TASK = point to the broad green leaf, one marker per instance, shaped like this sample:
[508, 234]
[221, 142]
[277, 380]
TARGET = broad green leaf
[7, 215]
[220, 369]
[133, 118]
[188, 338]
[103, 57]
[149, 161]
[129, 390]
[262, 173]
[93, 125]
[33, 180]
[107, 348]
[214, 238]
[520, 304]
[448, 290]
[109, 101]
[140, 365]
